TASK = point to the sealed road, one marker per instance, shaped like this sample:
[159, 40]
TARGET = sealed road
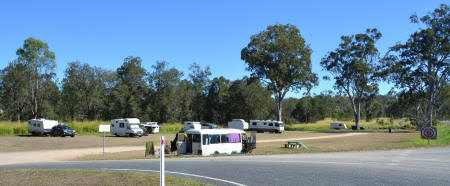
[396, 167]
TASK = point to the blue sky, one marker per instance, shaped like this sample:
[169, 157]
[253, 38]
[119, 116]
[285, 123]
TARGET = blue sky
[103, 33]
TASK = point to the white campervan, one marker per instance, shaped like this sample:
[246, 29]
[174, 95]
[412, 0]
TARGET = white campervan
[338, 125]
[41, 126]
[126, 127]
[238, 124]
[266, 126]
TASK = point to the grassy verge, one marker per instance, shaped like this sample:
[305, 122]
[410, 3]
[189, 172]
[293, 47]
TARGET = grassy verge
[376, 124]
[83, 128]
[443, 138]
[85, 177]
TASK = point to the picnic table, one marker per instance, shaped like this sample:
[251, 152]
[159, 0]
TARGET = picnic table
[295, 145]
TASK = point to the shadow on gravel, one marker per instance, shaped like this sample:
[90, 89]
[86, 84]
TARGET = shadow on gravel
[363, 131]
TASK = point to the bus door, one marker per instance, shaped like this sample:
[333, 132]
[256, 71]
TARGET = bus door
[189, 144]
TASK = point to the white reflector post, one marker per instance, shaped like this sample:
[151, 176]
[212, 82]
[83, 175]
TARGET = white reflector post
[161, 164]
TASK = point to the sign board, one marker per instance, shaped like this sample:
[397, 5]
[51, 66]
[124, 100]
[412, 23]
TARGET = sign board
[428, 132]
[103, 128]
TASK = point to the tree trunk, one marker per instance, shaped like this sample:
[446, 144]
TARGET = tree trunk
[279, 108]
[358, 116]
[431, 91]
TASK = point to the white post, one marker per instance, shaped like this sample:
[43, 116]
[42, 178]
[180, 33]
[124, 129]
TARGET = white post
[161, 154]
[103, 145]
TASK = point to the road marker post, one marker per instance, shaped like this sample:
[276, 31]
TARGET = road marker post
[161, 164]
[104, 129]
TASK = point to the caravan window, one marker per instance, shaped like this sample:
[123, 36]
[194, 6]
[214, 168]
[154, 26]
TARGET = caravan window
[112, 125]
[277, 125]
[214, 139]
[265, 123]
[121, 125]
[196, 138]
[205, 139]
[254, 123]
[271, 124]
[224, 138]
[34, 125]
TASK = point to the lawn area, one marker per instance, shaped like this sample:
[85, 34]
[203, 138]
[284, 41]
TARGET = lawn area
[85, 177]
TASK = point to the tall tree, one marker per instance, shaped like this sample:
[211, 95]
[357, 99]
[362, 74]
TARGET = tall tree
[216, 100]
[422, 62]
[280, 57]
[14, 90]
[130, 88]
[353, 67]
[200, 80]
[163, 82]
[40, 62]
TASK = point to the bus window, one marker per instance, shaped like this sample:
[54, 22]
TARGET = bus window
[224, 138]
[205, 139]
[196, 138]
[121, 125]
[214, 139]
[234, 138]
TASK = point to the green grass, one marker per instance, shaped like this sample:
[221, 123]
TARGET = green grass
[443, 138]
[86, 177]
[8, 128]
[376, 124]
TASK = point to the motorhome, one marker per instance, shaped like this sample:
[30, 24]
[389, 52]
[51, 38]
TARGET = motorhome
[207, 142]
[41, 126]
[188, 125]
[126, 127]
[266, 126]
[150, 128]
[338, 125]
[238, 124]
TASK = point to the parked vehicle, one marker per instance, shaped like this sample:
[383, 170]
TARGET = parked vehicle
[126, 127]
[209, 126]
[207, 142]
[150, 128]
[188, 125]
[238, 124]
[40, 126]
[338, 125]
[63, 131]
[266, 126]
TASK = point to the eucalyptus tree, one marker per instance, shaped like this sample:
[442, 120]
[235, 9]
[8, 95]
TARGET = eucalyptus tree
[421, 64]
[14, 90]
[280, 57]
[40, 63]
[353, 66]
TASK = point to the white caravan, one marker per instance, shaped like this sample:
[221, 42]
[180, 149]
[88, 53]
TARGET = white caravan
[126, 127]
[188, 125]
[150, 128]
[238, 124]
[211, 141]
[338, 125]
[41, 126]
[266, 126]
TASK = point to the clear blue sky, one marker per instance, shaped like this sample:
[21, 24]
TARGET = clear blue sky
[103, 33]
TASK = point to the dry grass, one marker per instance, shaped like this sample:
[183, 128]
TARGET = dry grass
[370, 141]
[85, 177]
[375, 124]
[31, 143]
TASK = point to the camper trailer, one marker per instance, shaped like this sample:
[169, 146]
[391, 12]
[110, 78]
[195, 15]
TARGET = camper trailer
[266, 126]
[207, 142]
[41, 126]
[150, 128]
[238, 124]
[126, 127]
[338, 125]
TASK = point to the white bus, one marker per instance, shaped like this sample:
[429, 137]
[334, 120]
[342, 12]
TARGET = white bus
[211, 141]
[266, 126]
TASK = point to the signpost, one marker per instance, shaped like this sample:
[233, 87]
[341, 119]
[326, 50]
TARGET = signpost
[161, 164]
[104, 129]
[428, 132]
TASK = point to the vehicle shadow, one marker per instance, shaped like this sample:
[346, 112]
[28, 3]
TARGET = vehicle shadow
[363, 131]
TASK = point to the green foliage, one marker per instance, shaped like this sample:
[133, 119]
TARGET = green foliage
[149, 148]
[280, 56]
[353, 67]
